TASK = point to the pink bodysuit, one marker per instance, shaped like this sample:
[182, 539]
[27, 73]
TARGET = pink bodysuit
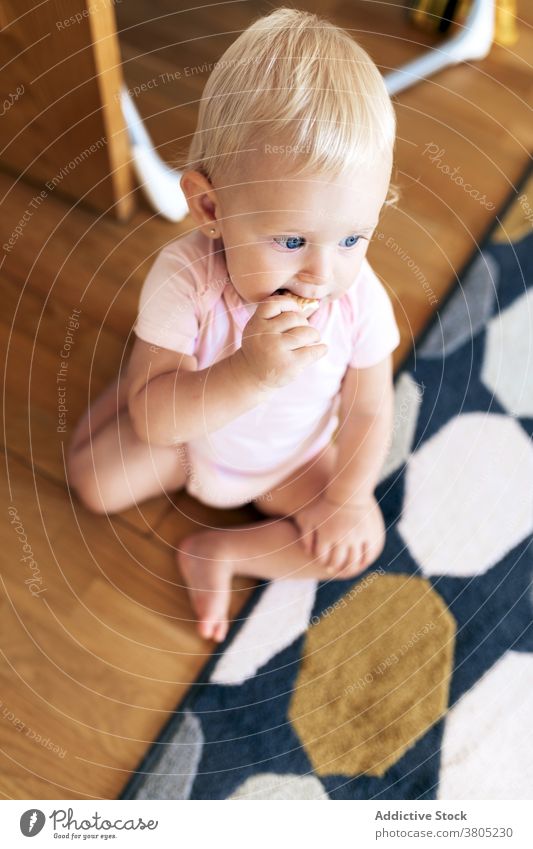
[188, 304]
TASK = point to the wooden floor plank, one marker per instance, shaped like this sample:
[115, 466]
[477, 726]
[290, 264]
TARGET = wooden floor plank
[98, 655]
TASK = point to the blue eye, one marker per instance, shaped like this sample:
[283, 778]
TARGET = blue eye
[350, 241]
[290, 242]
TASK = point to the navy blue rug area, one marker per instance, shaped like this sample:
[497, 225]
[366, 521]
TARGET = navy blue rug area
[413, 681]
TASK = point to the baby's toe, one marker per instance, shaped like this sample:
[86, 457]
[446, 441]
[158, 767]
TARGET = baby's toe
[220, 631]
[206, 629]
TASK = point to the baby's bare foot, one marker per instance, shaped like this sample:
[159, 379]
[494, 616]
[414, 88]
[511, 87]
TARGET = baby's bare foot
[207, 574]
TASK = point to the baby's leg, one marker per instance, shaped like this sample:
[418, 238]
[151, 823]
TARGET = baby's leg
[209, 559]
[269, 549]
[109, 467]
[98, 413]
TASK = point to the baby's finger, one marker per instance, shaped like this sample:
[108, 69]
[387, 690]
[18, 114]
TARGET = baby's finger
[338, 559]
[363, 563]
[321, 551]
[274, 305]
[309, 354]
[347, 568]
[306, 540]
[300, 335]
[353, 559]
[287, 320]
[360, 562]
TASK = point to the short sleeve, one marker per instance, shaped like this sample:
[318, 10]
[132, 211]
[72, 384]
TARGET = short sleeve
[168, 304]
[375, 333]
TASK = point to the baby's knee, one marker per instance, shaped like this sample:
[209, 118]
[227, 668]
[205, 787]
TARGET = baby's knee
[87, 488]
[90, 497]
[73, 465]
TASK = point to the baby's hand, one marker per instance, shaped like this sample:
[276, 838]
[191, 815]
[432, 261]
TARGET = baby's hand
[278, 342]
[345, 539]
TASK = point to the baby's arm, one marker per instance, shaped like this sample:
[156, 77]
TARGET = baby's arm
[175, 401]
[365, 424]
[181, 404]
[344, 528]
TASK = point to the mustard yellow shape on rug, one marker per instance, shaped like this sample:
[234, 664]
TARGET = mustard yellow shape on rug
[374, 675]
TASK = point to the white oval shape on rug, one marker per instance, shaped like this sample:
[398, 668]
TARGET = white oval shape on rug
[468, 495]
[486, 748]
[508, 363]
[268, 785]
[280, 616]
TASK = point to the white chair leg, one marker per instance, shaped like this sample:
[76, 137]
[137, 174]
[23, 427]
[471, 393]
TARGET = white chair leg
[160, 183]
[472, 42]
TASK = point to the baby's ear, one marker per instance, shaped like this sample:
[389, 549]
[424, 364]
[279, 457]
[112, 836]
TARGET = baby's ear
[200, 196]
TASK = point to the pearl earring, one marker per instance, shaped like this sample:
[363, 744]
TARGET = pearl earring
[212, 230]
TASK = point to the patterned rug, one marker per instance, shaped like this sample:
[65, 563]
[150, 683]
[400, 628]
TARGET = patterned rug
[415, 680]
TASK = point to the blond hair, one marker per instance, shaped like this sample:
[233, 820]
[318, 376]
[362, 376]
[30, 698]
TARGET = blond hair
[296, 76]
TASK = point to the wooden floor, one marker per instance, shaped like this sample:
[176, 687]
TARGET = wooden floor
[92, 666]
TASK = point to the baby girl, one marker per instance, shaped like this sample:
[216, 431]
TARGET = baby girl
[262, 369]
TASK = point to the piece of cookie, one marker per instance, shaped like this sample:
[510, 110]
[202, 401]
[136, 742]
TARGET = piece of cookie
[307, 306]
